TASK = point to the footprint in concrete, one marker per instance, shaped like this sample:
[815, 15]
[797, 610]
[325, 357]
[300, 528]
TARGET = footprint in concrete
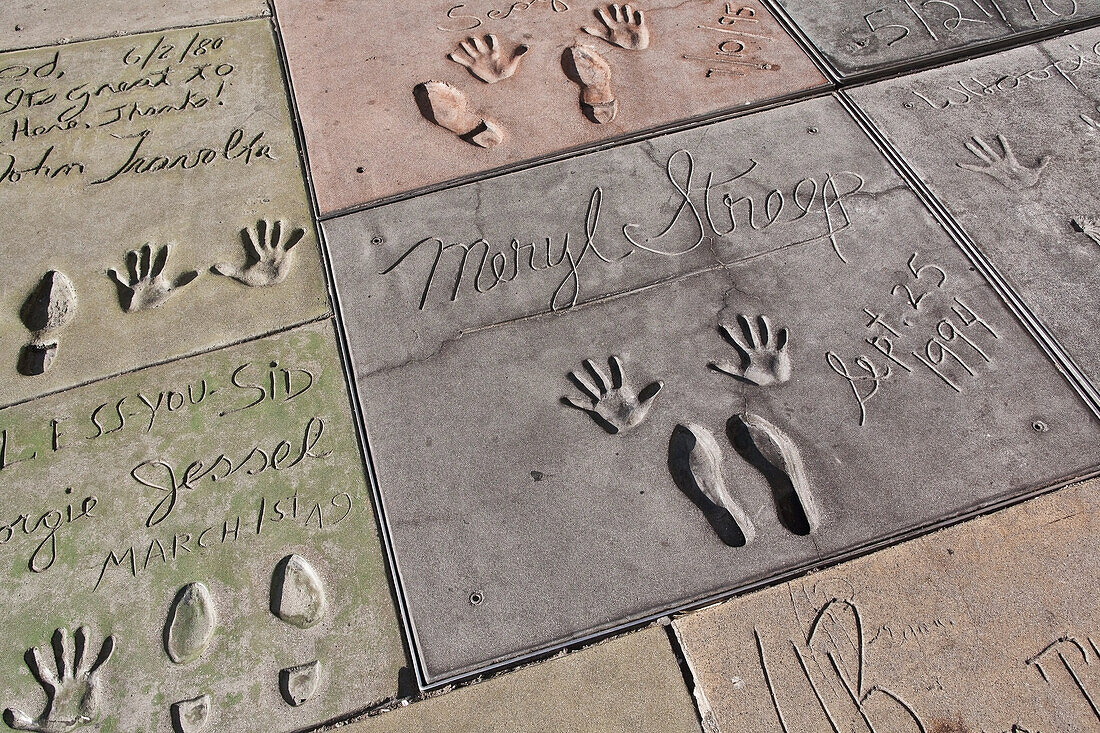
[299, 683]
[297, 593]
[191, 624]
[298, 598]
[695, 461]
[776, 456]
[48, 309]
[191, 716]
[448, 107]
[585, 66]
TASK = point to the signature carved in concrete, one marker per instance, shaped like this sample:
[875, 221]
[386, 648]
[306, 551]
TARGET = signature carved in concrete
[613, 404]
[70, 680]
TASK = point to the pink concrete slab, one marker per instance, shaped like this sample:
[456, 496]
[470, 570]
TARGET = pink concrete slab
[354, 66]
[27, 23]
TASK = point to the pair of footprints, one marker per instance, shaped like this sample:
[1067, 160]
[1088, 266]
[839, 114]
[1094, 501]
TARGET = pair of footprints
[487, 60]
[695, 458]
[297, 598]
[71, 680]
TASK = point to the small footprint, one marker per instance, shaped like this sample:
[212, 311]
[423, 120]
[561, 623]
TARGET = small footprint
[592, 72]
[449, 108]
[191, 716]
[48, 309]
[297, 593]
[191, 624]
[299, 683]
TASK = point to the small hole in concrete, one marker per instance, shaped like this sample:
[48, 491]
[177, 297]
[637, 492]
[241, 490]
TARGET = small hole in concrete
[476, 598]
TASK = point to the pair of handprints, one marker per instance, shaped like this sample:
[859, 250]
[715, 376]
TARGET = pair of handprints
[268, 260]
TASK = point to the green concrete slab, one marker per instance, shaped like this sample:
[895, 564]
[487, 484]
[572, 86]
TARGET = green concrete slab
[212, 517]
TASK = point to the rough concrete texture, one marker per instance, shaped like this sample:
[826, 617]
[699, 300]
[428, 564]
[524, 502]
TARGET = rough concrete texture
[141, 168]
[355, 64]
[888, 389]
[28, 23]
[873, 35]
[156, 508]
[987, 627]
[1018, 147]
[632, 683]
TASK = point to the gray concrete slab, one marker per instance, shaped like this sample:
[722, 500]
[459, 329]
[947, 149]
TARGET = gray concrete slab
[873, 35]
[891, 390]
[160, 175]
[632, 683]
[210, 517]
[1017, 144]
[987, 626]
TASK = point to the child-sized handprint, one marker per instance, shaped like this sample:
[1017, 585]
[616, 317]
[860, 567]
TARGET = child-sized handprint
[1003, 166]
[145, 286]
[614, 405]
[485, 59]
[268, 248]
[764, 359]
[623, 26]
[71, 685]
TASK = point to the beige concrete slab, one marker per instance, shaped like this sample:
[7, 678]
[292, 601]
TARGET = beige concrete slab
[180, 138]
[355, 65]
[28, 23]
[212, 517]
[631, 683]
[991, 626]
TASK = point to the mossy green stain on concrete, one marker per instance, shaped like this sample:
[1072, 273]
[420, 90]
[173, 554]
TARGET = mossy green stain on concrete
[331, 524]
